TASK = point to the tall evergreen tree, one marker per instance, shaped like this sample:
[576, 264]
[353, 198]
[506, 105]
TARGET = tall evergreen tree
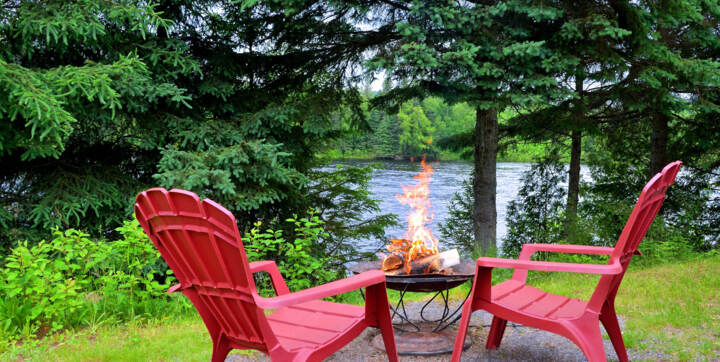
[87, 91]
[229, 99]
[489, 54]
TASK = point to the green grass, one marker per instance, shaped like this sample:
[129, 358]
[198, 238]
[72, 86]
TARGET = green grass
[672, 308]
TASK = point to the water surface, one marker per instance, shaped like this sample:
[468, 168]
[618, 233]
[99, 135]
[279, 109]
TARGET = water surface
[445, 182]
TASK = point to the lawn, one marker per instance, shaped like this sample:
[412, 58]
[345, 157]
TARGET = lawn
[672, 308]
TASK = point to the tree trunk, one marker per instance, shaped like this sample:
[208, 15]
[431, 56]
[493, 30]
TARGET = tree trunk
[658, 143]
[484, 214]
[573, 185]
[574, 172]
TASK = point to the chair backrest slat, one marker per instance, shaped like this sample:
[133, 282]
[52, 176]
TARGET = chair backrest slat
[200, 242]
[648, 204]
[645, 210]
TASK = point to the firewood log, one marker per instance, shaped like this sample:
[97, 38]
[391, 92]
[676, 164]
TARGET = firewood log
[393, 261]
[429, 264]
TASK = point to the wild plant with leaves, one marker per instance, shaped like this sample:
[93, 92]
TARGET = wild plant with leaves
[73, 281]
[301, 262]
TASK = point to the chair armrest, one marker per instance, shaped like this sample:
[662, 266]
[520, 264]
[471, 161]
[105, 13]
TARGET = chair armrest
[174, 288]
[529, 249]
[607, 269]
[276, 278]
[355, 282]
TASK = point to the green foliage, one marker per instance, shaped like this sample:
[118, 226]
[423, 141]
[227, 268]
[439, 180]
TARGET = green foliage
[415, 130]
[349, 211]
[83, 90]
[412, 131]
[456, 231]
[100, 100]
[448, 119]
[488, 54]
[242, 175]
[44, 106]
[536, 215]
[301, 260]
[386, 137]
[73, 281]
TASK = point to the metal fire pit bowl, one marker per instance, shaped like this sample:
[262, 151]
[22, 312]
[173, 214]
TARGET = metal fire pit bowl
[428, 283]
[428, 337]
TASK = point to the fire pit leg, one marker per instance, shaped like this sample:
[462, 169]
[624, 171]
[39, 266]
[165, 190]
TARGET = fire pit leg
[430, 335]
[446, 319]
[403, 317]
[445, 294]
[428, 340]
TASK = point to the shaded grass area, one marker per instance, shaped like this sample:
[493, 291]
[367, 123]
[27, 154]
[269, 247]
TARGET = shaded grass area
[672, 308]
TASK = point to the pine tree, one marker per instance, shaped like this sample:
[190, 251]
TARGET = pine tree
[491, 55]
[85, 95]
[386, 137]
[232, 100]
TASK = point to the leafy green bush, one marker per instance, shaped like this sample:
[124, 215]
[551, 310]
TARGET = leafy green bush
[73, 281]
[301, 261]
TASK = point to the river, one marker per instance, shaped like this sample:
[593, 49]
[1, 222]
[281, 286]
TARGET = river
[445, 182]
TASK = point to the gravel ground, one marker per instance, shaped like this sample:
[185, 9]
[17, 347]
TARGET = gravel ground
[519, 344]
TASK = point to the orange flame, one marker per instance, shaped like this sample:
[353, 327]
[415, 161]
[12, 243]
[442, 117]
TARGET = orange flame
[419, 241]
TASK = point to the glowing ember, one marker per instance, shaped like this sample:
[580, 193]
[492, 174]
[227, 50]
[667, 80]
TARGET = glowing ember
[418, 241]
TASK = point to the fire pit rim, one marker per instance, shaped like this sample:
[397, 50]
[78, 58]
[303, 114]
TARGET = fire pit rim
[430, 282]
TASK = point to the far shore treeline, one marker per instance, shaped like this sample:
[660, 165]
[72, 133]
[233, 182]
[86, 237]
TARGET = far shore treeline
[421, 128]
[244, 102]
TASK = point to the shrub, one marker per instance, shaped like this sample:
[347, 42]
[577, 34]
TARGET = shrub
[457, 230]
[73, 281]
[301, 261]
[536, 216]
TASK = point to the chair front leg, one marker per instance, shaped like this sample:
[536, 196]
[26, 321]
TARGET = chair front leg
[221, 348]
[462, 330]
[586, 334]
[481, 288]
[376, 304]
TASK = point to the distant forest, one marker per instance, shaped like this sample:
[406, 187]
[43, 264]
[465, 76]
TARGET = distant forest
[428, 127]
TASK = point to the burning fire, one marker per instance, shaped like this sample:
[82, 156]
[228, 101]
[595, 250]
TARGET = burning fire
[418, 241]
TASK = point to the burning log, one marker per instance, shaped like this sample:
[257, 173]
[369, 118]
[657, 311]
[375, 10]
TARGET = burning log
[425, 265]
[393, 261]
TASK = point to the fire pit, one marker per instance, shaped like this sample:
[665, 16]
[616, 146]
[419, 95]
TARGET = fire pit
[414, 263]
[434, 282]
[430, 337]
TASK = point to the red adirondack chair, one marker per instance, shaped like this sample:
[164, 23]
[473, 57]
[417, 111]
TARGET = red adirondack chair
[572, 318]
[200, 242]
